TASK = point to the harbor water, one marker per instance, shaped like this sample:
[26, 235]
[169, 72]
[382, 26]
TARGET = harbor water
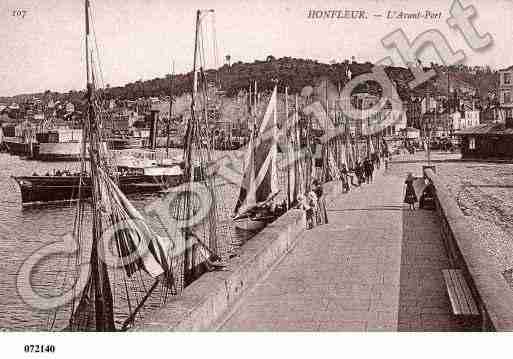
[24, 231]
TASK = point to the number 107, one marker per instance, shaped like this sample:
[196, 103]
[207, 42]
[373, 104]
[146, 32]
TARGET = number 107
[19, 13]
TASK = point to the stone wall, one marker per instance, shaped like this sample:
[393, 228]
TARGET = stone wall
[492, 293]
[204, 303]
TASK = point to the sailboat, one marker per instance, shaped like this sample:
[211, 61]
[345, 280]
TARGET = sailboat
[136, 247]
[293, 154]
[125, 266]
[255, 206]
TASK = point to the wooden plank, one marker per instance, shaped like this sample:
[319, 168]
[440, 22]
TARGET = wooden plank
[464, 309]
[456, 307]
[460, 296]
[468, 295]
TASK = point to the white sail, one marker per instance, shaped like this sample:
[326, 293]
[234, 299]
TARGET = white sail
[260, 179]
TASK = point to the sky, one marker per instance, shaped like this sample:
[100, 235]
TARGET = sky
[139, 39]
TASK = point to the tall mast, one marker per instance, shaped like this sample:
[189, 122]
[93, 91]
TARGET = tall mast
[256, 97]
[170, 109]
[297, 145]
[97, 293]
[326, 145]
[286, 128]
[87, 45]
[250, 110]
[192, 122]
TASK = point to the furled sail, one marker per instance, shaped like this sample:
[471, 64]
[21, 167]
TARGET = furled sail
[342, 153]
[349, 155]
[370, 147]
[247, 193]
[294, 161]
[333, 171]
[260, 179]
[137, 244]
[95, 308]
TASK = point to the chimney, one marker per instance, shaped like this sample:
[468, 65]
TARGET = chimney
[153, 128]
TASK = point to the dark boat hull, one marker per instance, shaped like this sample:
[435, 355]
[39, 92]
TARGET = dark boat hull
[58, 158]
[55, 189]
[125, 143]
[251, 225]
[18, 148]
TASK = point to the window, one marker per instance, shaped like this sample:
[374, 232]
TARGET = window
[471, 143]
[507, 78]
[507, 97]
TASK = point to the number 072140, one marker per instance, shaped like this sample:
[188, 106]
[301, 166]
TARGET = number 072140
[39, 348]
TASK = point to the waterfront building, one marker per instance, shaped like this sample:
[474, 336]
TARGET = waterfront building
[506, 92]
[488, 141]
[465, 119]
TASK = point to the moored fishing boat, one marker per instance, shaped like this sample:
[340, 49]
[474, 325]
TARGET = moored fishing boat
[66, 188]
[128, 263]
[255, 207]
[146, 263]
[59, 144]
[136, 171]
[18, 139]
[18, 146]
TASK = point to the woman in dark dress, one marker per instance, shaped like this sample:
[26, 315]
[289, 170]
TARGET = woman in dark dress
[410, 197]
[322, 214]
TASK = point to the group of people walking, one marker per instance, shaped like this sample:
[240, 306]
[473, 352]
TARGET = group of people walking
[363, 171]
[314, 202]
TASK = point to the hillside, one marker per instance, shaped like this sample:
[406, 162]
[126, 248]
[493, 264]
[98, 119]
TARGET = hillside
[291, 72]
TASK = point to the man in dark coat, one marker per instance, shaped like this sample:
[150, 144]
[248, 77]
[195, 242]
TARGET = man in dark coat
[345, 179]
[369, 169]
[358, 171]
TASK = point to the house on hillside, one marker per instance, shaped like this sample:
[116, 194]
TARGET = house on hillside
[506, 92]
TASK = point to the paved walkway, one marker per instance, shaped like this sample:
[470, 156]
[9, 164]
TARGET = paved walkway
[375, 266]
[423, 301]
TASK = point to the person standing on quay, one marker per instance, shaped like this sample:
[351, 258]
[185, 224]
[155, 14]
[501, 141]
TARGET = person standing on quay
[322, 213]
[366, 170]
[358, 173]
[304, 204]
[345, 179]
[369, 169]
[410, 197]
[376, 160]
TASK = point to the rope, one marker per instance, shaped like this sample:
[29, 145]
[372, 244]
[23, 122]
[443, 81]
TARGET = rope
[93, 26]
[214, 30]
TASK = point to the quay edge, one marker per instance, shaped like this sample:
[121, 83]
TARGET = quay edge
[204, 304]
[492, 293]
